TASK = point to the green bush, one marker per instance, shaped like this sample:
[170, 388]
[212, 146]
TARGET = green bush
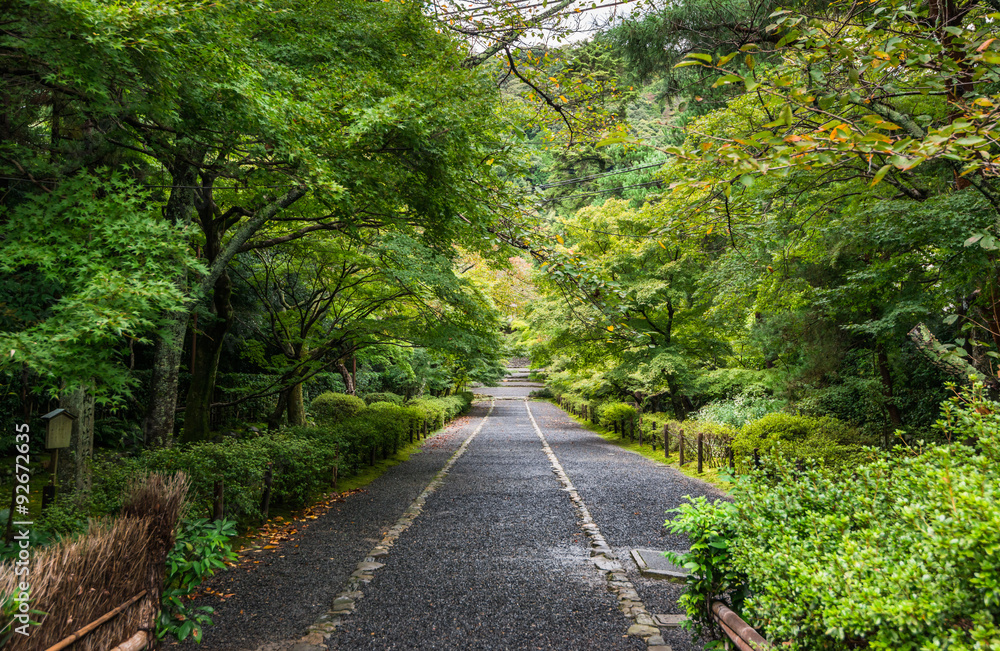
[300, 467]
[201, 548]
[384, 396]
[385, 424]
[898, 553]
[63, 517]
[711, 534]
[825, 439]
[740, 410]
[301, 459]
[616, 412]
[330, 408]
[441, 410]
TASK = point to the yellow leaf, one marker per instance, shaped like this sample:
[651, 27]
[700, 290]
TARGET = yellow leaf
[711, 227]
[563, 98]
[661, 245]
[611, 328]
[559, 239]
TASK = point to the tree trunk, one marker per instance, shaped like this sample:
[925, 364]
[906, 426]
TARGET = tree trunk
[158, 426]
[296, 401]
[882, 362]
[75, 469]
[208, 349]
[274, 419]
[296, 406]
[345, 374]
[676, 401]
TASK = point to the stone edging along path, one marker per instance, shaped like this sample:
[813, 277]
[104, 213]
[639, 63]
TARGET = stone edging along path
[343, 604]
[604, 558]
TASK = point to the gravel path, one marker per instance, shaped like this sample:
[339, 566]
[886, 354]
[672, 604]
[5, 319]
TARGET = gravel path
[628, 496]
[276, 599]
[496, 558]
[495, 561]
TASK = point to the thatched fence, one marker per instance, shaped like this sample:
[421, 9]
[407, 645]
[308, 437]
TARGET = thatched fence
[115, 569]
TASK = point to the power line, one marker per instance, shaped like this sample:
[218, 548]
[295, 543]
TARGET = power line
[546, 186]
[594, 230]
[599, 192]
[145, 185]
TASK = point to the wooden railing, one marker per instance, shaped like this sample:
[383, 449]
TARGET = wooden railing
[739, 632]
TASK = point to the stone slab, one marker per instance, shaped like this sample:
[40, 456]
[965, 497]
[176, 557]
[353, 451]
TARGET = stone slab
[669, 621]
[652, 563]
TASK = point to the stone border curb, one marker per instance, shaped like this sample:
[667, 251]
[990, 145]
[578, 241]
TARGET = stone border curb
[344, 602]
[604, 558]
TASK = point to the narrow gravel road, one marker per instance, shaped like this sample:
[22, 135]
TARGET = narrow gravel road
[499, 557]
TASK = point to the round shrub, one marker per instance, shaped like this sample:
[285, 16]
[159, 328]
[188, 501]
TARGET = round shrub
[393, 398]
[616, 412]
[329, 408]
[826, 439]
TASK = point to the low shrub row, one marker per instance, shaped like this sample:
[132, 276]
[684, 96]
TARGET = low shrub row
[897, 552]
[302, 459]
[824, 439]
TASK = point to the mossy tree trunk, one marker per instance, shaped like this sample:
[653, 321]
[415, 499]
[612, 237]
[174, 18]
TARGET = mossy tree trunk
[75, 467]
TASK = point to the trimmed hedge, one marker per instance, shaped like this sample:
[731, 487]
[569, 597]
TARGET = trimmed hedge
[329, 408]
[302, 458]
[615, 412]
[440, 410]
[384, 396]
[825, 439]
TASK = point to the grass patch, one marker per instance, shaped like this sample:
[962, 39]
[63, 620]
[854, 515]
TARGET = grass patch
[690, 468]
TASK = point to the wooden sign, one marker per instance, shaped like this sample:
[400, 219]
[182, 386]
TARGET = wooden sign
[59, 430]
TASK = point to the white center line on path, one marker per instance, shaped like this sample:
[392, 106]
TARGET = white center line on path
[343, 604]
[604, 558]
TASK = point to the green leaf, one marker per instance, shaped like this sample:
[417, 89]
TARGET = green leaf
[880, 174]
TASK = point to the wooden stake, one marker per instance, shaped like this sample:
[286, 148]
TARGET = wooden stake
[265, 503]
[701, 439]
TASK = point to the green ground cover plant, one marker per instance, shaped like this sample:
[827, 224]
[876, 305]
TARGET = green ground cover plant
[900, 552]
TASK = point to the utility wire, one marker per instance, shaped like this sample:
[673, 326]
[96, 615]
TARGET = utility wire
[144, 185]
[546, 186]
[599, 192]
[594, 230]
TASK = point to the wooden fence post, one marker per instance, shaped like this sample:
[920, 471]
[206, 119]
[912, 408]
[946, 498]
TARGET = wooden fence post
[218, 504]
[701, 440]
[336, 464]
[732, 461]
[640, 432]
[666, 440]
[680, 449]
[412, 423]
[265, 503]
[614, 427]
[425, 428]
